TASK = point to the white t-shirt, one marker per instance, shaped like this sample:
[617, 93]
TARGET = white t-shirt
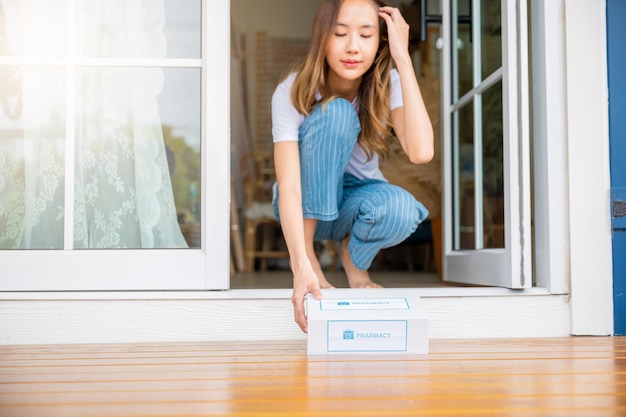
[286, 122]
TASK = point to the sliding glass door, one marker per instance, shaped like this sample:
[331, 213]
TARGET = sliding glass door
[105, 129]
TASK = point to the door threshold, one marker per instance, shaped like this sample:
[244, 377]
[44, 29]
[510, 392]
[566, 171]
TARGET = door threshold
[178, 316]
[259, 294]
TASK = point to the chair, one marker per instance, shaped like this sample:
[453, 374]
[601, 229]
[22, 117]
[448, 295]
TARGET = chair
[259, 176]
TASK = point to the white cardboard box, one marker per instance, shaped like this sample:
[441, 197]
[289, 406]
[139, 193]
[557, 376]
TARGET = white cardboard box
[351, 321]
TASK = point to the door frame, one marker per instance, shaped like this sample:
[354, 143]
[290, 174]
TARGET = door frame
[588, 184]
[73, 317]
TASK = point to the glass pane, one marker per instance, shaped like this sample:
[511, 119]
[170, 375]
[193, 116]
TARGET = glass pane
[179, 104]
[183, 28]
[462, 49]
[147, 29]
[32, 28]
[464, 181]
[493, 169]
[433, 7]
[124, 196]
[491, 37]
[32, 153]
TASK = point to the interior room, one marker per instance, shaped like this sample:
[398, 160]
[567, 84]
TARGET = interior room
[264, 46]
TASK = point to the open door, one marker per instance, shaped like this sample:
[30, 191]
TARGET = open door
[487, 239]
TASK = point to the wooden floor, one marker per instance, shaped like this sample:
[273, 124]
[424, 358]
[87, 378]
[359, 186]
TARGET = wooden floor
[388, 279]
[530, 377]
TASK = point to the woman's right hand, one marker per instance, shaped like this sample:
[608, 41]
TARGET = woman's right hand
[297, 230]
[304, 282]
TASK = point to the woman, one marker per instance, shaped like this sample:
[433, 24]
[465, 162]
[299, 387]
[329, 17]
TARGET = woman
[331, 121]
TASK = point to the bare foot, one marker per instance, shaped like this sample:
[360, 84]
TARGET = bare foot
[357, 278]
[324, 284]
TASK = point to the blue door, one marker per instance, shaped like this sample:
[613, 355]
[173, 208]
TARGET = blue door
[616, 39]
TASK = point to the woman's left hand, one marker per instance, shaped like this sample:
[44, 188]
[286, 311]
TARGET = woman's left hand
[397, 32]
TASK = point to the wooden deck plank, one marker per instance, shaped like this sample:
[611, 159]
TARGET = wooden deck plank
[441, 346]
[303, 393]
[177, 357]
[389, 408]
[543, 382]
[236, 370]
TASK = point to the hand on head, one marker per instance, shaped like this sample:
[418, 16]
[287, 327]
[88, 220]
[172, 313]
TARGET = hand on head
[397, 31]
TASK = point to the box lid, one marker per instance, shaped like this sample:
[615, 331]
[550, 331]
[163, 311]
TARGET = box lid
[381, 303]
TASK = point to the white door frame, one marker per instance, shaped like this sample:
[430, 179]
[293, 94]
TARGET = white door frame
[582, 260]
[588, 183]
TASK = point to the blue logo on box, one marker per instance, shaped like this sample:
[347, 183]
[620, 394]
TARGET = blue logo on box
[348, 334]
[343, 303]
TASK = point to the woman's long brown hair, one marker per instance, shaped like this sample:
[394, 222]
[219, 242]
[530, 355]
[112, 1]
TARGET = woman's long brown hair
[375, 88]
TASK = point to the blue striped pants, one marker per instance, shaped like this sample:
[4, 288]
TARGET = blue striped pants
[374, 213]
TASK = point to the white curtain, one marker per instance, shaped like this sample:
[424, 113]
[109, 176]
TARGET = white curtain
[123, 193]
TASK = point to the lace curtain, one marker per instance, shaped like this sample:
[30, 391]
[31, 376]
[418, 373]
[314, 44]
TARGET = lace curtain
[123, 192]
